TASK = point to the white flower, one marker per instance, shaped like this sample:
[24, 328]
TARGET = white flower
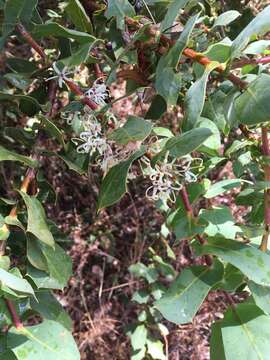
[164, 177]
[91, 143]
[186, 164]
[98, 92]
[61, 75]
[164, 183]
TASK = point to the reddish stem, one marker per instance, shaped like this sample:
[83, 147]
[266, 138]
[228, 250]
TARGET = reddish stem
[28, 38]
[204, 60]
[244, 62]
[78, 91]
[98, 72]
[15, 318]
[189, 210]
[266, 153]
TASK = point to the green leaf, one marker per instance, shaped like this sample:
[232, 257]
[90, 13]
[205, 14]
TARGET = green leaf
[168, 85]
[20, 81]
[157, 108]
[212, 145]
[21, 65]
[59, 264]
[258, 26]
[41, 279]
[15, 283]
[48, 340]
[184, 144]
[35, 255]
[37, 219]
[172, 13]
[226, 18]
[195, 98]
[261, 295]
[185, 227]
[171, 59]
[221, 186]
[251, 261]
[5, 318]
[155, 348]
[52, 130]
[257, 47]
[138, 337]
[139, 270]
[119, 9]
[56, 30]
[4, 231]
[81, 55]
[16, 11]
[135, 129]
[216, 344]
[78, 16]
[4, 262]
[253, 106]
[186, 294]
[245, 333]
[72, 165]
[7, 155]
[140, 296]
[220, 222]
[28, 105]
[49, 308]
[232, 279]
[14, 221]
[113, 186]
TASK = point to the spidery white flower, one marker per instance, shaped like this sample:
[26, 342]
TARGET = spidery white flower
[61, 75]
[164, 182]
[165, 177]
[98, 92]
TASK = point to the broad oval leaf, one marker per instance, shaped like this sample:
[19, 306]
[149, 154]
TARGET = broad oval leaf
[186, 143]
[171, 59]
[113, 186]
[173, 11]
[168, 85]
[7, 155]
[119, 9]
[56, 30]
[135, 129]
[37, 219]
[221, 186]
[59, 264]
[261, 296]
[195, 97]
[48, 340]
[254, 263]
[78, 16]
[226, 18]
[15, 283]
[183, 299]
[253, 106]
[47, 306]
[245, 333]
[258, 26]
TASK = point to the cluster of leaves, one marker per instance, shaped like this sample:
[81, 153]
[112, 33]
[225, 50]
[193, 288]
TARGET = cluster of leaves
[223, 112]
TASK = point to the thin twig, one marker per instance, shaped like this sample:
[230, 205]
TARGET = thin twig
[28, 38]
[266, 153]
[190, 214]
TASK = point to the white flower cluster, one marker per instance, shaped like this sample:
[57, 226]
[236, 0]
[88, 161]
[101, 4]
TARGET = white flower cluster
[167, 177]
[99, 93]
[94, 142]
